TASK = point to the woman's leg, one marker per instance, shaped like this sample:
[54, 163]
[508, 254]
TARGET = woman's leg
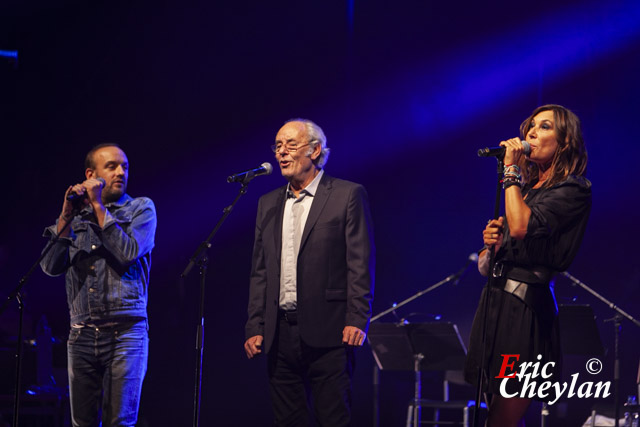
[505, 412]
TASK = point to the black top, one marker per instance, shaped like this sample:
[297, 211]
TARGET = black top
[558, 220]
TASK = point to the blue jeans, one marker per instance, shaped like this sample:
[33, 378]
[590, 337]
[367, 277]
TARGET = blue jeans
[106, 369]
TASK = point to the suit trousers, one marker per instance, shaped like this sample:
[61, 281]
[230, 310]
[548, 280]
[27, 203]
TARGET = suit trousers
[309, 386]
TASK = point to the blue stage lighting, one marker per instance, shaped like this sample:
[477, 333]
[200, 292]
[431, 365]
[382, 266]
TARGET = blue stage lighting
[9, 53]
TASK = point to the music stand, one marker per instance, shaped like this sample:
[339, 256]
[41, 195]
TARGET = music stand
[579, 336]
[433, 346]
[578, 331]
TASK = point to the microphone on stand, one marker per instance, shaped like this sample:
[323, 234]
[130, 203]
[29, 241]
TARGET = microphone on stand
[499, 151]
[472, 258]
[246, 176]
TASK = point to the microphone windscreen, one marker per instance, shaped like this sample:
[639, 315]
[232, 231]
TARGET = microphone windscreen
[527, 147]
[267, 167]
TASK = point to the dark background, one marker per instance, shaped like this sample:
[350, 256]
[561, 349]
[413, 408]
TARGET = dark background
[406, 92]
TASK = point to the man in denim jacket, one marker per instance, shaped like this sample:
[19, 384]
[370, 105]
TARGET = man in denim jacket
[105, 253]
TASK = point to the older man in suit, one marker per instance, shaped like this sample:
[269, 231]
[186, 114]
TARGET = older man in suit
[311, 282]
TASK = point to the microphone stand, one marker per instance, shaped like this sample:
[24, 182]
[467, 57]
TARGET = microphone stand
[455, 278]
[200, 257]
[617, 321]
[451, 278]
[19, 299]
[487, 297]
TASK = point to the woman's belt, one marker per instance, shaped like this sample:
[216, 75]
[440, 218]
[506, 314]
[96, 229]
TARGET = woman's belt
[535, 274]
[535, 291]
[540, 298]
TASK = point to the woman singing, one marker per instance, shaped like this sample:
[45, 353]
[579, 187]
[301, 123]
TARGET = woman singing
[547, 204]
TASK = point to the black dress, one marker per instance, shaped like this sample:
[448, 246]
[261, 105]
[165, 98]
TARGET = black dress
[558, 220]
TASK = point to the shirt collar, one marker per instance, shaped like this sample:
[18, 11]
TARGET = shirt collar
[118, 203]
[309, 189]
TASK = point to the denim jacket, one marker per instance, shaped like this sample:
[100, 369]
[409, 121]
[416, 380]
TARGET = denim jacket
[107, 269]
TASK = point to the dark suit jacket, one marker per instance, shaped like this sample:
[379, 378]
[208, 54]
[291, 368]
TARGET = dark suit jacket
[335, 265]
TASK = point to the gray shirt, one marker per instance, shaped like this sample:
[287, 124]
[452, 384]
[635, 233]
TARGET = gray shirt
[296, 212]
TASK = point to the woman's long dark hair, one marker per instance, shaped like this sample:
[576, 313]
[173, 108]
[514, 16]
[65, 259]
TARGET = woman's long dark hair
[571, 155]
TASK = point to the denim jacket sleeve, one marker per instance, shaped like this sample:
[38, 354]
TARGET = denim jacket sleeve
[127, 234]
[56, 261]
[138, 238]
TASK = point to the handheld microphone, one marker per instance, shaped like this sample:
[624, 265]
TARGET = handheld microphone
[73, 197]
[499, 151]
[246, 176]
